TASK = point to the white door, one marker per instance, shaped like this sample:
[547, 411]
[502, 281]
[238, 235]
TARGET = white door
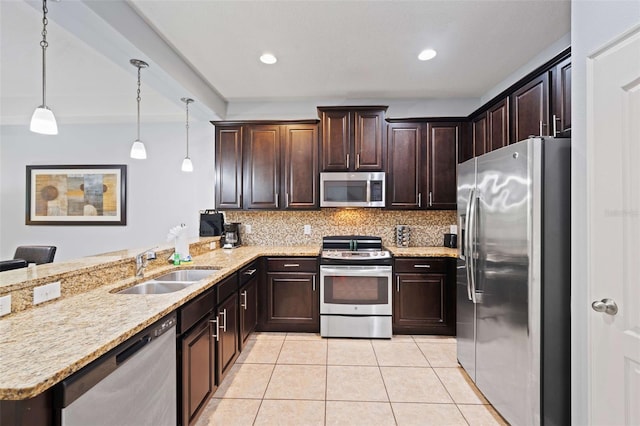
[613, 161]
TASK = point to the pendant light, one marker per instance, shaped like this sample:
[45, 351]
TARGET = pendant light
[187, 165]
[43, 120]
[138, 150]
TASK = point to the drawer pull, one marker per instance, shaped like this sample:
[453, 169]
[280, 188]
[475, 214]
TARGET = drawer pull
[422, 266]
[250, 272]
[291, 265]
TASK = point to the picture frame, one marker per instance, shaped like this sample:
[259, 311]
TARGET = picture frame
[76, 195]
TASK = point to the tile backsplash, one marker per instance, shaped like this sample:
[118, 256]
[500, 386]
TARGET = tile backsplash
[287, 227]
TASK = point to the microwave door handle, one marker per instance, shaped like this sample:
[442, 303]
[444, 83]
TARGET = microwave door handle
[467, 251]
[368, 191]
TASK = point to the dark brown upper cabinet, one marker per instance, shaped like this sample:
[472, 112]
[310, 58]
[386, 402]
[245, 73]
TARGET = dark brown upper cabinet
[531, 109]
[267, 165]
[442, 143]
[405, 159]
[479, 134]
[498, 125]
[228, 152]
[261, 155]
[561, 99]
[300, 168]
[421, 164]
[353, 138]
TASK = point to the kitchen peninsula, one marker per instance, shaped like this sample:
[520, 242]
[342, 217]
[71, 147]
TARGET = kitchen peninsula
[42, 345]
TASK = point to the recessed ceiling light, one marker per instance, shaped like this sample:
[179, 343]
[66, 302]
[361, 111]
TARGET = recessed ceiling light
[427, 54]
[268, 58]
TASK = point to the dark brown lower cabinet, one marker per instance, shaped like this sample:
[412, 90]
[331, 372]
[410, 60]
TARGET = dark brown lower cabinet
[424, 296]
[248, 310]
[227, 344]
[290, 296]
[198, 369]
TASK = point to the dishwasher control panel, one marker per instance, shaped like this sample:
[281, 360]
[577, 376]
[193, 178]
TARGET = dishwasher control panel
[164, 326]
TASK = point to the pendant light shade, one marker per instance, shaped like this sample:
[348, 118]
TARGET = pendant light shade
[43, 121]
[138, 151]
[187, 165]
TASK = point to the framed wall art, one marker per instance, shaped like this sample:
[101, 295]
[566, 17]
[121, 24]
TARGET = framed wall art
[76, 195]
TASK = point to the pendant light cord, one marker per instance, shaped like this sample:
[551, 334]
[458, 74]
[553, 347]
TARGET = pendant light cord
[138, 100]
[44, 44]
[187, 126]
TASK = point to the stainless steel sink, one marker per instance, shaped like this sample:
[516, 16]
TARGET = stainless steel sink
[170, 282]
[155, 287]
[185, 275]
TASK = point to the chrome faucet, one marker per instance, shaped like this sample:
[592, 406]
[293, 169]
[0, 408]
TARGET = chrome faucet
[141, 261]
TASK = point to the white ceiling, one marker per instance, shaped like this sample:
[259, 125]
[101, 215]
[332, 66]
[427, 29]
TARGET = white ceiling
[209, 49]
[357, 49]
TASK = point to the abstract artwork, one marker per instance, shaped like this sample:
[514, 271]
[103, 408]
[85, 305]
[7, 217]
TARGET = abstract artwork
[76, 195]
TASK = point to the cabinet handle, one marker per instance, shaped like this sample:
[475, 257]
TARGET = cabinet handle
[397, 283]
[347, 161]
[250, 272]
[419, 199]
[277, 199]
[422, 266]
[224, 320]
[291, 265]
[244, 295]
[357, 161]
[555, 125]
[314, 283]
[430, 199]
[541, 125]
[286, 199]
[216, 335]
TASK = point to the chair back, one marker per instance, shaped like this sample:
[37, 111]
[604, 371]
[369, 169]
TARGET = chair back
[36, 254]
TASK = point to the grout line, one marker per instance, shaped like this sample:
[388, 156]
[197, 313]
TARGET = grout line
[326, 383]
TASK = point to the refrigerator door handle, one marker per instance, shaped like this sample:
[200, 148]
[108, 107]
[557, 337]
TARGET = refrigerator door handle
[467, 247]
[471, 231]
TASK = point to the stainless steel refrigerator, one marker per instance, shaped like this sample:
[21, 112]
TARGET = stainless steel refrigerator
[513, 279]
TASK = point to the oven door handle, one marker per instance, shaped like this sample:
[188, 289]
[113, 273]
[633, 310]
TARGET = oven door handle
[350, 271]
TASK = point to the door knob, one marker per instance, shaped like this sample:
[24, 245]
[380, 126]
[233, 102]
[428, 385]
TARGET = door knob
[608, 306]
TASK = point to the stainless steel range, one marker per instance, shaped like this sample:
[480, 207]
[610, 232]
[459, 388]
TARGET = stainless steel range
[355, 287]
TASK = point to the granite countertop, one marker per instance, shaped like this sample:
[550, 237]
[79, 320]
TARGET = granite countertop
[423, 251]
[40, 347]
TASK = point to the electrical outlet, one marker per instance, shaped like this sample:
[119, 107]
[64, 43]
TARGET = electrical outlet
[213, 245]
[46, 292]
[5, 305]
[307, 230]
[247, 229]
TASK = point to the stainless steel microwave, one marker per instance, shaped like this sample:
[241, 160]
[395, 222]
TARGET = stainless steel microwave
[352, 189]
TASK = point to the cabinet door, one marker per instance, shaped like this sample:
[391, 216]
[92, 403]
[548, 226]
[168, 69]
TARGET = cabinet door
[227, 343]
[292, 302]
[368, 140]
[262, 167]
[198, 372]
[405, 149]
[531, 109]
[336, 138]
[419, 303]
[300, 170]
[498, 125]
[248, 309]
[442, 165]
[228, 167]
[561, 119]
[479, 134]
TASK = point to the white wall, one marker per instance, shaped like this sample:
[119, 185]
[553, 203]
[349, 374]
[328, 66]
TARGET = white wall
[159, 195]
[593, 24]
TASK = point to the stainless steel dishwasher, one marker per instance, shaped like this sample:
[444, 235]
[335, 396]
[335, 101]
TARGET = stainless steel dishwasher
[133, 384]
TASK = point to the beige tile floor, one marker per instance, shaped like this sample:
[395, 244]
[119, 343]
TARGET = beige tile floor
[303, 379]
